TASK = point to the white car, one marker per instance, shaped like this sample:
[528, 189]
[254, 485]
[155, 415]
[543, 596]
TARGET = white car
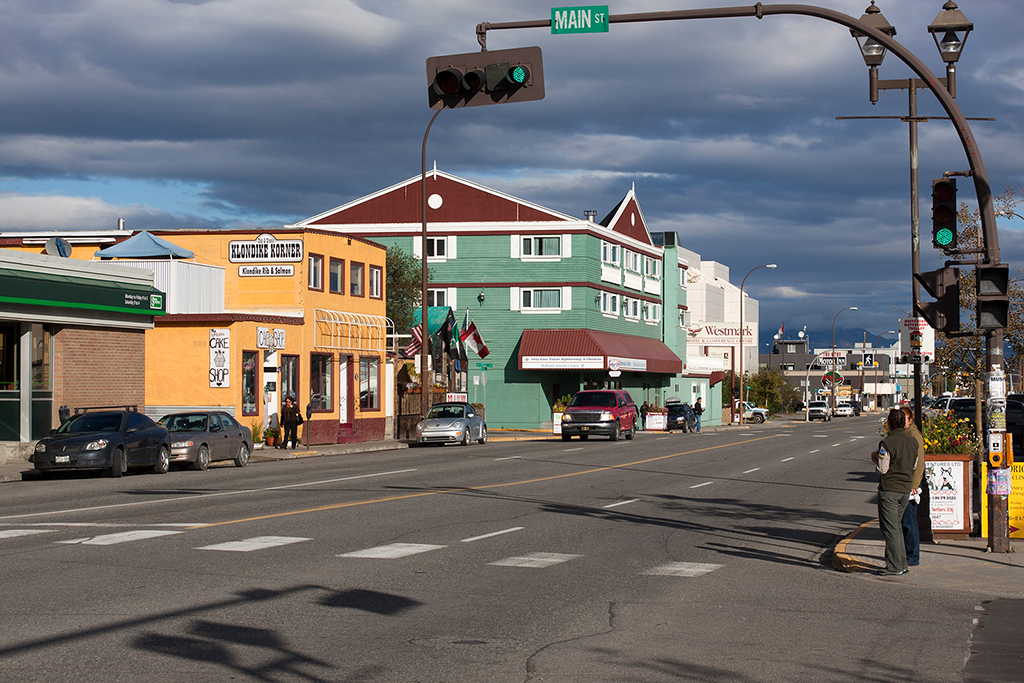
[844, 410]
[751, 413]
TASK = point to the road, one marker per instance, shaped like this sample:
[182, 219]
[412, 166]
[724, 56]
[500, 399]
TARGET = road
[697, 557]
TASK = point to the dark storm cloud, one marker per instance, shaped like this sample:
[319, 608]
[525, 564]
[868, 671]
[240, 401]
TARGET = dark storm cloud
[280, 110]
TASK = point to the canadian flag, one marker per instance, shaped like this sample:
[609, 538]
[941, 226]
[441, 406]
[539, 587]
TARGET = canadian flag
[471, 338]
[781, 328]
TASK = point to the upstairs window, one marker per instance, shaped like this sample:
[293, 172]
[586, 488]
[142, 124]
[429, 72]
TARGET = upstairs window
[542, 246]
[316, 272]
[610, 304]
[610, 253]
[632, 260]
[437, 247]
[542, 298]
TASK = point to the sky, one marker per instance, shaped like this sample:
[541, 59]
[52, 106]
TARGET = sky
[259, 113]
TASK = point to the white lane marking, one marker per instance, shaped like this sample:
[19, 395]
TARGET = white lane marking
[204, 495]
[707, 483]
[836, 444]
[662, 438]
[786, 459]
[103, 524]
[622, 502]
[255, 543]
[860, 437]
[393, 551]
[493, 533]
[570, 450]
[123, 537]
[14, 533]
[689, 569]
[815, 450]
[820, 436]
[785, 434]
[516, 457]
[753, 470]
[534, 560]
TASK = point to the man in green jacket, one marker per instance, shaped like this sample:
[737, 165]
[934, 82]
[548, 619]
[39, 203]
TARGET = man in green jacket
[895, 460]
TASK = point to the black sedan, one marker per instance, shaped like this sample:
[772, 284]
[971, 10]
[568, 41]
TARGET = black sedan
[680, 416]
[111, 440]
[203, 436]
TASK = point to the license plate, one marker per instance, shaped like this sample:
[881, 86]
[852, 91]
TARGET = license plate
[584, 429]
[62, 459]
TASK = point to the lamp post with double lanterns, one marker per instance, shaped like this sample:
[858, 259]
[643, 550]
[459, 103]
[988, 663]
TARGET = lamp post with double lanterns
[769, 266]
[848, 308]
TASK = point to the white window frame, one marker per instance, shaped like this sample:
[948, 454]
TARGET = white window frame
[448, 246]
[631, 261]
[610, 304]
[611, 253]
[652, 313]
[376, 282]
[652, 266]
[631, 308]
[315, 266]
[432, 294]
[527, 295]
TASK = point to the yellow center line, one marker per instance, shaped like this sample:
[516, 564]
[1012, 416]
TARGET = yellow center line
[389, 499]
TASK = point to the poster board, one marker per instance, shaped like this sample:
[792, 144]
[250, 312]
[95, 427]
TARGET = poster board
[1015, 503]
[950, 487]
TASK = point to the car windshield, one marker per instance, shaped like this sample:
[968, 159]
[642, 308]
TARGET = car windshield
[185, 423]
[601, 399]
[817, 404]
[442, 412]
[93, 422]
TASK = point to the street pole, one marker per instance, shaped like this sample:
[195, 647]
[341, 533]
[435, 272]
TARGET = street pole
[425, 376]
[832, 408]
[770, 266]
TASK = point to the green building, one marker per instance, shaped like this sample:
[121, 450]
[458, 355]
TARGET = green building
[562, 303]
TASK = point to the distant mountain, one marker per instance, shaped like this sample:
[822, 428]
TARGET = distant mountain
[846, 337]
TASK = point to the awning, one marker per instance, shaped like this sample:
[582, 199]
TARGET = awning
[67, 291]
[436, 317]
[144, 245]
[595, 350]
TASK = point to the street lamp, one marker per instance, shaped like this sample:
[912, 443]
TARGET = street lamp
[953, 27]
[770, 266]
[875, 346]
[873, 51]
[848, 308]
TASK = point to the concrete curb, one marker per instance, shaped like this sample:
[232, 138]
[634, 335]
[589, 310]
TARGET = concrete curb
[842, 560]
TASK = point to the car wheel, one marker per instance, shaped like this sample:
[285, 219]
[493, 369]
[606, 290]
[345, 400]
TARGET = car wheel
[631, 432]
[465, 437]
[163, 461]
[616, 433]
[120, 464]
[483, 435]
[242, 459]
[202, 459]
[759, 418]
[566, 437]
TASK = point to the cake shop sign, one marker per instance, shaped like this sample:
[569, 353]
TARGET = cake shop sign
[264, 249]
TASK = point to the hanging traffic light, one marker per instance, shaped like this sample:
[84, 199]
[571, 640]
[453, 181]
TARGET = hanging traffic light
[944, 214]
[478, 78]
[943, 314]
[993, 296]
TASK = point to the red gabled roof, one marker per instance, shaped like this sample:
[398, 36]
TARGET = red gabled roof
[627, 219]
[461, 202]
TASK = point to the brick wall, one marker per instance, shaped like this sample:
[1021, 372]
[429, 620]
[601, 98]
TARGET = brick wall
[98, 367]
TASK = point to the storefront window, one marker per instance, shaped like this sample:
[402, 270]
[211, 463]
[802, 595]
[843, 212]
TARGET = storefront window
[289, 378]
[250, 383]
[41, 376]
[320, 381]
[8, 357]
[369, 384]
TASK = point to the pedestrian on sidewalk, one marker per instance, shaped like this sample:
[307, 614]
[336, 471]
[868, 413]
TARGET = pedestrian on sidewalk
[894, 460]
[698, 410]
[643, 416]
[911, 530]
[290, 421]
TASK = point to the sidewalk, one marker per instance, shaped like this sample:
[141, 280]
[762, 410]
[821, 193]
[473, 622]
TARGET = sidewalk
[963, 565]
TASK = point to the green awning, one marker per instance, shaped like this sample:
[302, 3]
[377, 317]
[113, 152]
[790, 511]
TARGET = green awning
[67, 291]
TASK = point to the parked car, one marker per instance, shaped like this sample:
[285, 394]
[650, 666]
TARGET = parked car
[610, 412]
[752, 413]
[844, 410]
[103, 439]
[203, 436]
[940, 405]
[680, 416]
[818, 410]
[451, 423]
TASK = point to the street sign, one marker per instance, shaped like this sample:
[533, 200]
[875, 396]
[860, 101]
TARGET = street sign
[485, 365]
[586, 19]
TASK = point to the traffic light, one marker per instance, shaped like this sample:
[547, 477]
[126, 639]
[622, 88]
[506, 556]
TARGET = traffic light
[944, 214]
[477, 78]
[992, 288]
[943, 314]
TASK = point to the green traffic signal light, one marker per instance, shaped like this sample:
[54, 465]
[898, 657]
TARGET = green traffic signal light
[944, 237]
[944, 214]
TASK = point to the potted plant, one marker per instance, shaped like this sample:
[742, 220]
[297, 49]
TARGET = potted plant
[256, 426]
[270, 436]
[557, 409]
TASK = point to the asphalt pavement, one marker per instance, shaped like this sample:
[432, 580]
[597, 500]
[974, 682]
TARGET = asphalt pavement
[964, 565]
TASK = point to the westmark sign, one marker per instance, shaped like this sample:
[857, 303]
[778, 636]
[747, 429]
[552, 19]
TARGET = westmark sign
[719, 334]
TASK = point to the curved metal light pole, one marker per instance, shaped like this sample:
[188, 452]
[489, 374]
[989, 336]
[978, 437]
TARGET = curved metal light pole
[832, 408]
[770, 266]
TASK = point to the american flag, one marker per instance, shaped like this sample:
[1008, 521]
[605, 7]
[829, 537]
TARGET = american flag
[417, 341]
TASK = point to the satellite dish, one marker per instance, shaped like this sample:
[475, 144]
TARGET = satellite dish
[800, 334]
[58, 246]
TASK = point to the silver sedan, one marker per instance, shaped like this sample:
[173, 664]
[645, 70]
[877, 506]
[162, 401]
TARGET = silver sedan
[451, 423]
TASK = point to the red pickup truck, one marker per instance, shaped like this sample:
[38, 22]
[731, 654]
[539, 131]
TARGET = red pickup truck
[609, 412]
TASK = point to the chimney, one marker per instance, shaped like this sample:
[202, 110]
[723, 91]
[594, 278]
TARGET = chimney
[590, 214]
[120, 224]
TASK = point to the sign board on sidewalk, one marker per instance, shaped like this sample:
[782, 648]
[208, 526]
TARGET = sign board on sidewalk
[917, 341]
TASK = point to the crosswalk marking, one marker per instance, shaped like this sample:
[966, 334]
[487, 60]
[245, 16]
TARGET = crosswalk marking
[534, 560]
[688, 569]
[393, 551]
[123, 537]
[255, 543]
[14, 533]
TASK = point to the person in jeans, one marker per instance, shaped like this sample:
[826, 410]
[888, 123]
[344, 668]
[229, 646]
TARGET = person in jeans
[698, 410]
[895, 460]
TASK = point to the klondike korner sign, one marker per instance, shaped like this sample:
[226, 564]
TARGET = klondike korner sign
[265, 249]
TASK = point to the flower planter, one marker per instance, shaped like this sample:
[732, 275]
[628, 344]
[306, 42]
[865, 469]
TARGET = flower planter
[556, 423]
[656, 422]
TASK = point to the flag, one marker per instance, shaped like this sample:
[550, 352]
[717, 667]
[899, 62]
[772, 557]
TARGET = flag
[471, 337]
[781, 328]
[416, 343]
[448, 333]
